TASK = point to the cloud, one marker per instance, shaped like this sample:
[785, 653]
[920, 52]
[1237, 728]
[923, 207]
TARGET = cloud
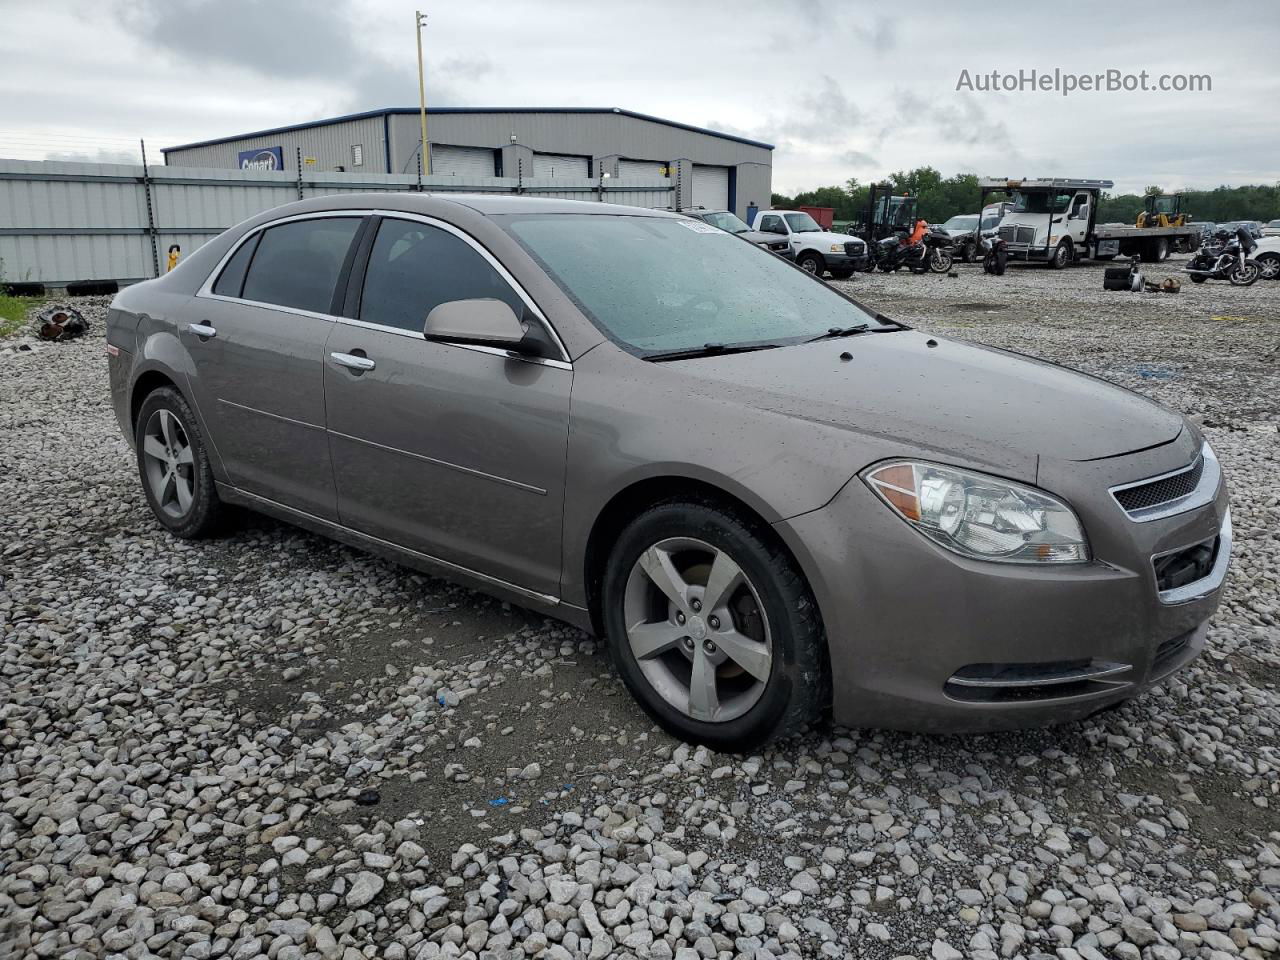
[101, 155]
[858, 158]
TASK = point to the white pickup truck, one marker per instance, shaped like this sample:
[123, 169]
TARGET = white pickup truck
[816, 250]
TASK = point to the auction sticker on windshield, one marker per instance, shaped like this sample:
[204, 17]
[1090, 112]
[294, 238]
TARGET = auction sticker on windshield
[697, 226]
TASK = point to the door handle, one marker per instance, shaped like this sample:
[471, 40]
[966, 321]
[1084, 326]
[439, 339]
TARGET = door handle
[202, 330]
[352, 362]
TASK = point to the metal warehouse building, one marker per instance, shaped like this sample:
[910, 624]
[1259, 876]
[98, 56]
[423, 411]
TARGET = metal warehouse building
[714, 170]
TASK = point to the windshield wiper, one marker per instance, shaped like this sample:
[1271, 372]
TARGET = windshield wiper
[835, 332]
[708, 350]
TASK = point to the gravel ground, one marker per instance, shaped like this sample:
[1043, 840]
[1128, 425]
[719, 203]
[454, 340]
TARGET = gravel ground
[270, 744]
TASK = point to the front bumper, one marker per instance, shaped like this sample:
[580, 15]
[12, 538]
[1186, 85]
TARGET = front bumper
[923, 639]
[843, 261]
[1022, 251]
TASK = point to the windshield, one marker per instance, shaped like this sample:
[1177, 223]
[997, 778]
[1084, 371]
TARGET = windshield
[726, 221]
[802, 223]
[960, 223]
[1040, 202]
[991, 222]
[658, 284]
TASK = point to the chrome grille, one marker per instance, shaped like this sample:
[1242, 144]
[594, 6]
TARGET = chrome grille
[1013, 234]
[1161, 490]
[853, 249]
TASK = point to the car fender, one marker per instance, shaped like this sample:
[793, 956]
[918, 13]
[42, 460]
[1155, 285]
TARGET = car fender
[161, 350]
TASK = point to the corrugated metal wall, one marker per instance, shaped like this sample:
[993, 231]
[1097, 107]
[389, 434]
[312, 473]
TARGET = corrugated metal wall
[328, 144]
[61, 222]
[605, 137]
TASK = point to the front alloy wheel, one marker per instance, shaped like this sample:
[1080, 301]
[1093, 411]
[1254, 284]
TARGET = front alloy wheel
[697, 628]
[713, 627]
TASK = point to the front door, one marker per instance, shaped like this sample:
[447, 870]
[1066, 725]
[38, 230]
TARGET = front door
[258, 352]
[455, 451]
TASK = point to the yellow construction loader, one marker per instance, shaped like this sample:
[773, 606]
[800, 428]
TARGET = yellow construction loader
[1163, 210]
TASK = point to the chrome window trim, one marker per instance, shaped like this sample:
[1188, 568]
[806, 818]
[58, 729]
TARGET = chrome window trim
[563, 363]
[1201, 588]
[1204, 493]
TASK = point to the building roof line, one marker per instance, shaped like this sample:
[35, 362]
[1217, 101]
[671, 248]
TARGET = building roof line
[443, 111]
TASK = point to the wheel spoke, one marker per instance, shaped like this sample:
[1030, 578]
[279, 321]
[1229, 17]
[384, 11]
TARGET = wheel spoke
[182, 487]
[167, 490]
[663, 574]
[166, 427]
[704, 701]
[724, 579]
[154, 448]
[185, 457]
[648, 640]
[751, 655]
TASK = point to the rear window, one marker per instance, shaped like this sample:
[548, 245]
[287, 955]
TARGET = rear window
[231, 281]
[297, 264]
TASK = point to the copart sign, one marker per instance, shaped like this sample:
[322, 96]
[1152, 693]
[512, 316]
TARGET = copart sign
[262, 158]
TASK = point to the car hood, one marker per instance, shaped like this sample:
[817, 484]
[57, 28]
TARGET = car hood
[826, 237]
[974, 402]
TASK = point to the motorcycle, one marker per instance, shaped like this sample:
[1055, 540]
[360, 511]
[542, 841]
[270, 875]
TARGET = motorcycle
[893, 252]
[995, 252]
[939, 244]
[1227, 258]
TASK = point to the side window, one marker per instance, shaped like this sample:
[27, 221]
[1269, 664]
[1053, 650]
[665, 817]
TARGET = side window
[231, 281]
[414, 267]
[297, 264]
[772, 224]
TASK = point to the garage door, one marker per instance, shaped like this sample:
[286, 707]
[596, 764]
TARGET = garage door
[711, 187]
[461, 161]
[648, 169]
[552, 165]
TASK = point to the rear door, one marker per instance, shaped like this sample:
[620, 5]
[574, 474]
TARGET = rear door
[456, 451]
[258, 350]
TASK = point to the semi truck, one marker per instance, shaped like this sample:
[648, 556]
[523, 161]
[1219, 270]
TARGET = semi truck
[1054, 221]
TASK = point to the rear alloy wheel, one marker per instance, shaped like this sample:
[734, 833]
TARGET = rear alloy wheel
[713, 629]
[1269, 265]
[811, 262]
[174, 466]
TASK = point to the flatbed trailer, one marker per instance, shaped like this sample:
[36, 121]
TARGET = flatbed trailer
[1055, 222]
[1149, 243]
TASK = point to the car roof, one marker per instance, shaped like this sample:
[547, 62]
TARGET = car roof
[481, 203]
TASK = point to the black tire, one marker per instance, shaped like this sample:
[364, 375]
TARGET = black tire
[966, 253]
[843, 274]
[205, 514]
[1197, 279]
[941, 261]
[1161, 250]
[798, 689]
[811, 262]
[1270, 264]
[1062, 255]
[1246, 275]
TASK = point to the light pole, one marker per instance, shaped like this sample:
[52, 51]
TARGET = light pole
[420, 21]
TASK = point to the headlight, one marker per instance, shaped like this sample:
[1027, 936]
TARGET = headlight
[981, 517]
[837, 248]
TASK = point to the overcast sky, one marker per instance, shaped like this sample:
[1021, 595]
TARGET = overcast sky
[842, 88]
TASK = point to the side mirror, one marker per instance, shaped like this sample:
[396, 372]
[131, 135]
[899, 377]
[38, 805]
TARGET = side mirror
[481, 321]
